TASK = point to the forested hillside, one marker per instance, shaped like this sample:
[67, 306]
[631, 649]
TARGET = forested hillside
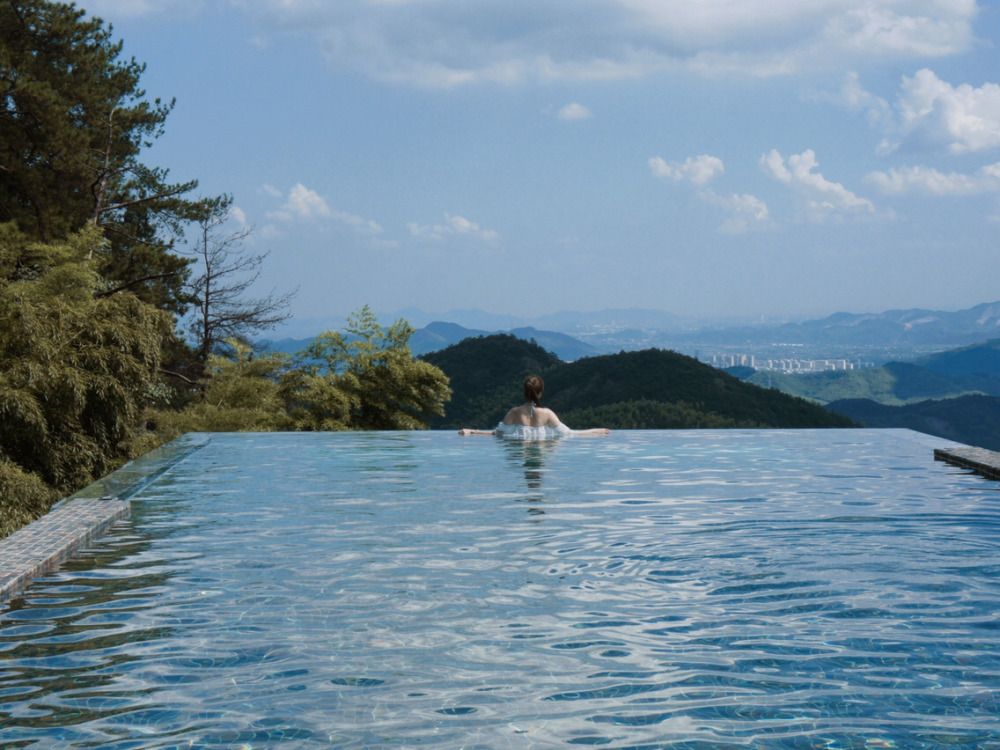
[645, 389]
[979, 359]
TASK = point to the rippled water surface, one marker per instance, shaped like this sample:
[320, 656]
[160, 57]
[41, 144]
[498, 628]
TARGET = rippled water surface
[800, 589]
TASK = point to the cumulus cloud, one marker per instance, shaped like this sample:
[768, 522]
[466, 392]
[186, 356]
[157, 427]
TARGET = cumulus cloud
[698, 170]
[962, 118]
[966, 118]
[443, 43]
[574, 111]
[934, 182]
[453, 226]
[304, 204]
[800, 172]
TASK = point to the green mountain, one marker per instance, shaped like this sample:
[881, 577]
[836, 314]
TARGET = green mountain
[974, 420]
[980, 359]
[482, 370]
[645, 389]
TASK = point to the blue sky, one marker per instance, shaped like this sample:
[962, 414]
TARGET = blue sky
[761, 158]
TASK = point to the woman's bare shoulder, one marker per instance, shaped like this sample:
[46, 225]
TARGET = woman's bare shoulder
[512, 416]
[548, 417]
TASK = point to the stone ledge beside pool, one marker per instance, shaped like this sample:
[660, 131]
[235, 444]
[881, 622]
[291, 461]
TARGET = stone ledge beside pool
[75, 521]
[43, 544]
[980, 460]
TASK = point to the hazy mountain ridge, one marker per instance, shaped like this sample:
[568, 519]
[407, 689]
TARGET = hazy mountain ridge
[914, 327]
[441, 334]
[612, 330]
[974, 420]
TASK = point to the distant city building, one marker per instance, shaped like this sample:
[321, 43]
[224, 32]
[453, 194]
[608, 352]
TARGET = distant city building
[787, 365]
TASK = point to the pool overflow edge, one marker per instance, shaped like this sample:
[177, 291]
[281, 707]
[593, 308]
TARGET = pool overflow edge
[979, 460]
[75, 521]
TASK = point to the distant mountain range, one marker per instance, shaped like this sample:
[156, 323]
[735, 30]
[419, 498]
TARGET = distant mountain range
[438, 335]
[605, 331]
[893, 328]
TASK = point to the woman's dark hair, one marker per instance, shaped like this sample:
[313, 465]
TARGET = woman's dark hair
[533, 387]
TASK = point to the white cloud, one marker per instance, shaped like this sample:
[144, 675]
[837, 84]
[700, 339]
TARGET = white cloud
[454, 225]
[302, 203]
[574, 111]
[238, 215]
[964, 117]
[746, 211]
[824, 197]
[699, 170]
[308, 205]
[444, 43]
[934, 182]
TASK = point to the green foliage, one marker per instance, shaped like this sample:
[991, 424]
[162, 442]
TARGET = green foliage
[23, 497]
[241, 394]
[76, 369]
[363, 379]
[367, 379]
[646, 414]
[614, 390]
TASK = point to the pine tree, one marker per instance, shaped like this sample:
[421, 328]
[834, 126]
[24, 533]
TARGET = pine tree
[73, 123]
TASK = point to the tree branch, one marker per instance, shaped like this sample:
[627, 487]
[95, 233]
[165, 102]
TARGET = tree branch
[136, 201]
[179, 376]
[134, 282]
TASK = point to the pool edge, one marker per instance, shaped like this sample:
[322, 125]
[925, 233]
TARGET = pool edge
[74, 521]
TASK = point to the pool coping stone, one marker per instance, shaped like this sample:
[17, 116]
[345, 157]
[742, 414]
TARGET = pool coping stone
[75, 521]
[979, 460]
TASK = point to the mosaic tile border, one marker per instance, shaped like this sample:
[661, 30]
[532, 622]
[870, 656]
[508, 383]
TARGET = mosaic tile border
[75, 521]
[980, 460]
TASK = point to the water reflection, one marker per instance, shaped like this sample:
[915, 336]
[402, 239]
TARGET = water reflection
[530, 456]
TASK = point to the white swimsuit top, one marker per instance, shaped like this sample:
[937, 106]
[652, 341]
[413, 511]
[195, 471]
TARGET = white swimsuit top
[528, 432]
[525, 432]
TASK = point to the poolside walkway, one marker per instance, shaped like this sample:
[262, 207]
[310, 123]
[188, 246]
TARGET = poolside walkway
[40, 546]
[74, 522]
[980, 460]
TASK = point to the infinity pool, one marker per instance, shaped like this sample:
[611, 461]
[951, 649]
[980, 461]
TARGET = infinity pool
[690, 589]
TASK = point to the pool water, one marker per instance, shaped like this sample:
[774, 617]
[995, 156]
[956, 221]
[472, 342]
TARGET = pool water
[662, 589]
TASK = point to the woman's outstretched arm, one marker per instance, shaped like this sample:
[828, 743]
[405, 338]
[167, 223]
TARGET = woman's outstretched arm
[593, 431]
[465, 432]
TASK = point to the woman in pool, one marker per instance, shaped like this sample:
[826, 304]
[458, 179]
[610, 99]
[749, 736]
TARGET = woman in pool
[531, 419]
